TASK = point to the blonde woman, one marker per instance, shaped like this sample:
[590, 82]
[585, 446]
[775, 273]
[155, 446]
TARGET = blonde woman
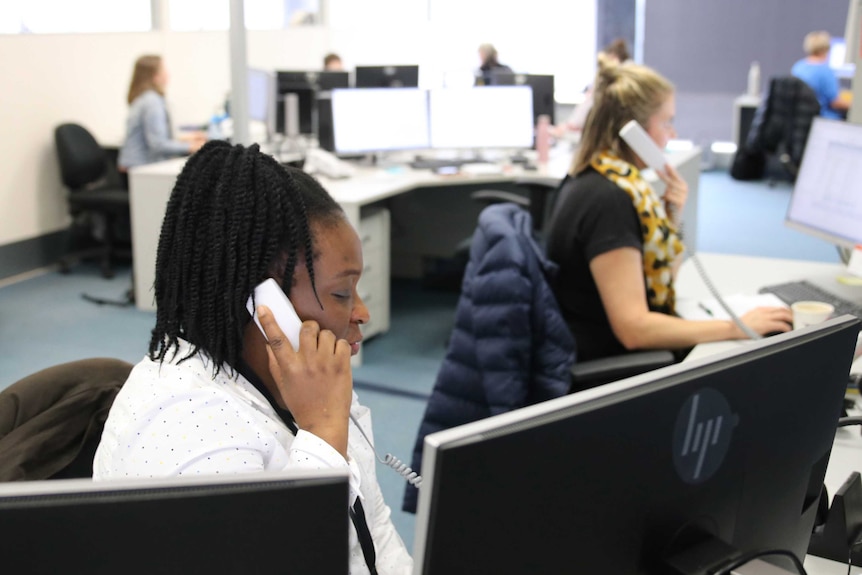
[617, 243]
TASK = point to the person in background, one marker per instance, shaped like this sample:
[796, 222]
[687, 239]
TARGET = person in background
[228, 399]
[815, 71]
[617, 243]
[148, 127]
[332, 63]
[617, 52]
[489, 64]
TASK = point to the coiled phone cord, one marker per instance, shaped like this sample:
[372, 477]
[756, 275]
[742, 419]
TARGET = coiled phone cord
[390, 460]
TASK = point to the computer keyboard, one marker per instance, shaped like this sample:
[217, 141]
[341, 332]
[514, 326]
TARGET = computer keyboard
[803, 291]
[435, 163]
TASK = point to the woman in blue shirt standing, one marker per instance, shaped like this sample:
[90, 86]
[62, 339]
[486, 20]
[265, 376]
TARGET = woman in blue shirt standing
[148, 128]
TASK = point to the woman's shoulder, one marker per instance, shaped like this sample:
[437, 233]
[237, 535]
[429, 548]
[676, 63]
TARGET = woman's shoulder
[148, 98]
[591, 186]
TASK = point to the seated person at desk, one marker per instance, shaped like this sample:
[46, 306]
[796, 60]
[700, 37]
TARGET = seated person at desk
[332, 63]
[489, 65]
[615, 53]
[148, 127]
[213, 395]
[815, 71]
[617, 243]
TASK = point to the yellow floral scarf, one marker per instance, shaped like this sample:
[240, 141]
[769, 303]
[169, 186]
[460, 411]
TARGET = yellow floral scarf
[662, 243]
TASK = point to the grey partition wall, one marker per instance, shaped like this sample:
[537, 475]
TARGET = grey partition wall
[705, 47]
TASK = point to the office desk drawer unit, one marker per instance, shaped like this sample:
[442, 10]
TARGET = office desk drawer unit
[374, 285]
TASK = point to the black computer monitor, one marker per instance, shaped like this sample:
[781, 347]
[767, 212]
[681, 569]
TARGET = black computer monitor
[307, 86]
[730, 449]
[286, 522]
[543, 90]
[826, 202]
[387, 77]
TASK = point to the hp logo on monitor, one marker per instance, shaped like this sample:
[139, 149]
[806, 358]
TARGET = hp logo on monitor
[702, 434]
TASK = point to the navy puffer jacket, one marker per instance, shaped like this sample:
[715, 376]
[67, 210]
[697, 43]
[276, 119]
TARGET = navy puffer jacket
[510, 346]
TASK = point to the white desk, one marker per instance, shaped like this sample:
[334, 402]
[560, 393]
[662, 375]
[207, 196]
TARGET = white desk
[745, 274]
[151, 185]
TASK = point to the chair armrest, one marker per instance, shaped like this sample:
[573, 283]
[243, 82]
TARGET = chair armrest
[499, 196]
[587, 374]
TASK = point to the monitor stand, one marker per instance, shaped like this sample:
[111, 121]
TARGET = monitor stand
[703, 554]
[842, 529]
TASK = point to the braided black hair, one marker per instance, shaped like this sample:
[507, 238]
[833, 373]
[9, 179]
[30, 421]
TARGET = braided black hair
[235, 217]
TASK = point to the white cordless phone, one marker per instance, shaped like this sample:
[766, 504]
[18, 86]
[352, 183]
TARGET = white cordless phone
[269, 293]
[638, 140]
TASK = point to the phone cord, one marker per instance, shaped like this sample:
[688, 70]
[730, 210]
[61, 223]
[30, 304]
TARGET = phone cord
[401, 468]
[715, 293]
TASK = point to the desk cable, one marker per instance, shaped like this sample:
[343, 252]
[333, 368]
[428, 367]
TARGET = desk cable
[401, 468]
[715, 293]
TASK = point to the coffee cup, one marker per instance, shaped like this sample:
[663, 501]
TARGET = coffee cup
[807, 313]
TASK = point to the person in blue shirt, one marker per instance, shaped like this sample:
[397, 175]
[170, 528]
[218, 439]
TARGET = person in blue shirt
[148, 127]
[814, 70]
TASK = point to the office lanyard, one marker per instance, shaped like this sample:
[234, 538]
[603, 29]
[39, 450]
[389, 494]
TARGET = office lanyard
[357, 512]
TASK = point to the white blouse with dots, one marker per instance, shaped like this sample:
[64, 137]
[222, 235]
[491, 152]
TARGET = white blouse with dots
[175, 418]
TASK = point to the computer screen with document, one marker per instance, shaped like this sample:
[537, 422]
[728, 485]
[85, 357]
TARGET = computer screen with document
[826, 201]
[379, 119]
[482, 117]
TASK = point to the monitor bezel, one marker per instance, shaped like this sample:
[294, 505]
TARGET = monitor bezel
[808, 229]
[592, 399]
[73, 510]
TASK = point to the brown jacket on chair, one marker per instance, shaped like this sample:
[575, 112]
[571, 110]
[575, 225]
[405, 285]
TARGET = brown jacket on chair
[51, 421]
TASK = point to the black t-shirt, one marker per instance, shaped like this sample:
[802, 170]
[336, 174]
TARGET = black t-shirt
[592, 216]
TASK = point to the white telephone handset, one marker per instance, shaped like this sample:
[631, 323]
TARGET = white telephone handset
[269, 293]
[318, 161]
[639, 141]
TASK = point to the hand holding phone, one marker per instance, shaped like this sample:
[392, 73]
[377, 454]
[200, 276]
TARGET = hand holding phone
[270, 294]
[639, 141]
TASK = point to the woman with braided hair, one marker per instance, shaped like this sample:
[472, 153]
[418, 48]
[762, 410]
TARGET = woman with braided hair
[212, 395]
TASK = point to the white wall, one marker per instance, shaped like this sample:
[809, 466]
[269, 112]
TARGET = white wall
[83, 78]
[51, 79]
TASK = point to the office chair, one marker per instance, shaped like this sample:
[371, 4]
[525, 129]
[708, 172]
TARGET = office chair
[779, 131]
[511, 346]
[51, 421]
[84, 169]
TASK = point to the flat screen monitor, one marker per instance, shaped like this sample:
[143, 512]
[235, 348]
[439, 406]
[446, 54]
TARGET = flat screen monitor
[285, 522]
[379, 119]
[731, 450]
[838, 59]
[387, 77]
[306, 85]
[262, 98]
[482, 117]
[826, 200]
[543, 91]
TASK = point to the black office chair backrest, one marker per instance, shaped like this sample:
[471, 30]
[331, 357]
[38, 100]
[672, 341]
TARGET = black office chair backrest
[82, 159]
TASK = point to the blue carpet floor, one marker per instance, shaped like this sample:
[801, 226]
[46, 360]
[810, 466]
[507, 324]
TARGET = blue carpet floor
[44, 321]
